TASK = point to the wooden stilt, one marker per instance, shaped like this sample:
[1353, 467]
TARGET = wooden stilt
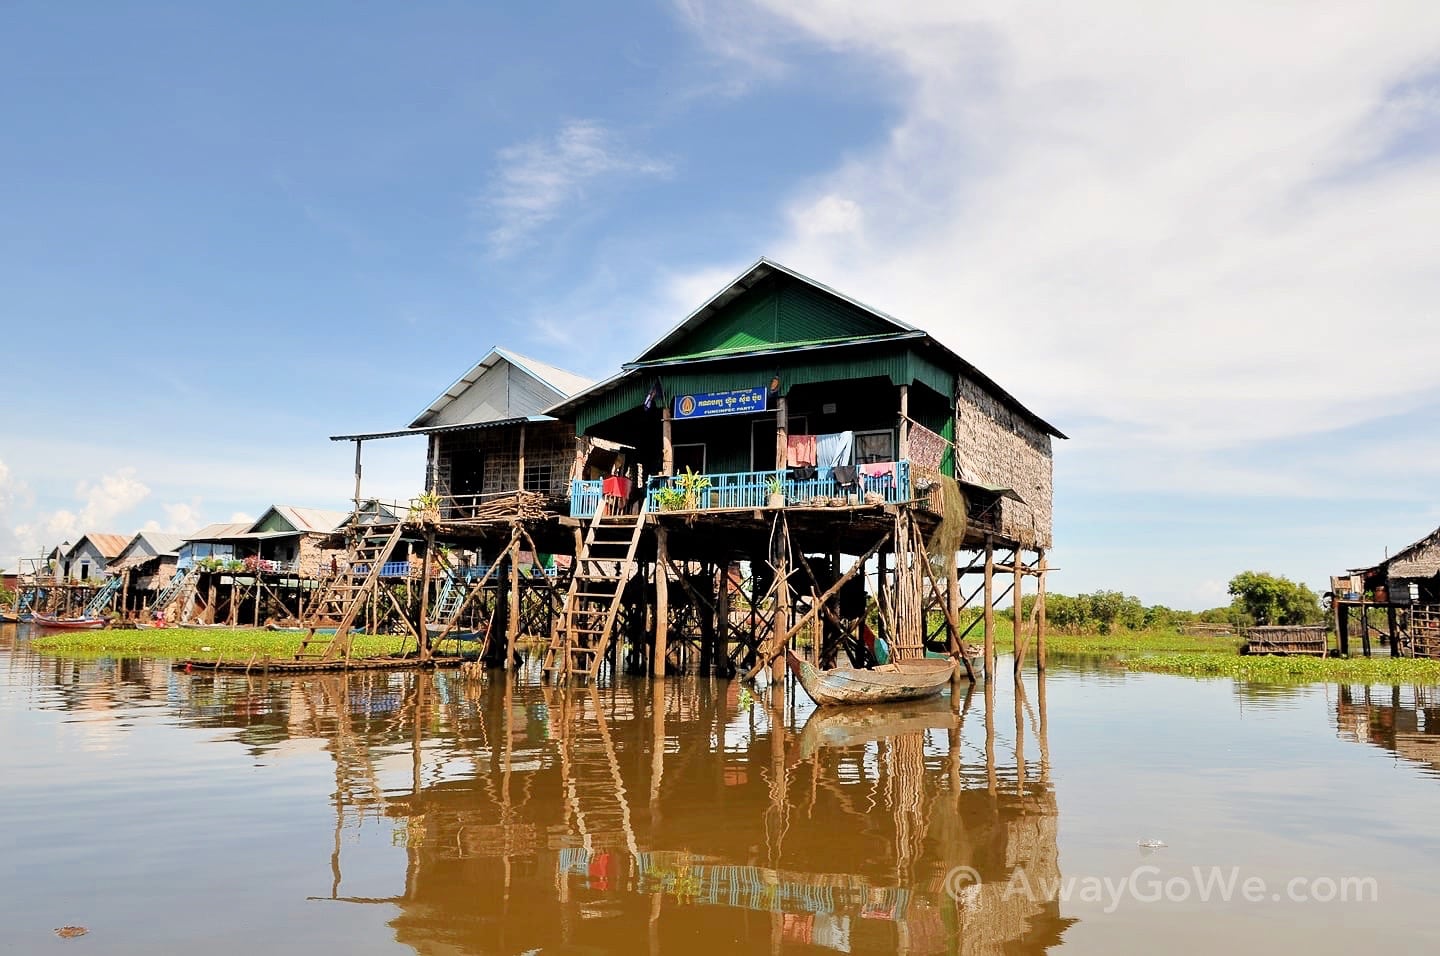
[662, 601]
[989, 610]
[1018, 613]
[1040, 617]
[512, 623]
[423, 631]
[782, 433]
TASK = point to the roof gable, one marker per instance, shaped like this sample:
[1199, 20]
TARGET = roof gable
[769, 308]
[107, 546]
[503, 385]
[150, 543]
[286, 519]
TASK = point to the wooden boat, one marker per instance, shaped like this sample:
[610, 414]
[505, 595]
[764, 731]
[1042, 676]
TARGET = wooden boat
[71, 623]
[900, 680]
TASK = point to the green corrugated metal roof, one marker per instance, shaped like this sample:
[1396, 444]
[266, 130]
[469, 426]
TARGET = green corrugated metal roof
[784, 313]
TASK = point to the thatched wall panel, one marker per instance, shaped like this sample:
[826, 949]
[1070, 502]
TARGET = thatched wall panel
[994, 445]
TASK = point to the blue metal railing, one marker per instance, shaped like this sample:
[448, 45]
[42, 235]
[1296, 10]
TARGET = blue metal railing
[390, 569]
[751, 489]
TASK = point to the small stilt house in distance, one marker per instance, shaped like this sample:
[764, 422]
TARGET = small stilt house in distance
[488, 436]
[146, 565]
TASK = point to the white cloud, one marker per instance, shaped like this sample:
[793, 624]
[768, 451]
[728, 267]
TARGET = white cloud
[240, 517]
[1170, 224]
[539, 179]
[180, 518]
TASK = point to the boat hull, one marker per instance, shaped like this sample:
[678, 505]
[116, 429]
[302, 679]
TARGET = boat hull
[70, 623]
[899, 681]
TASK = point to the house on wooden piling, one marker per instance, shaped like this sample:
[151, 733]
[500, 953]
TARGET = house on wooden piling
[146, 565]
[89, 558]
[251, 572]
[1406, 587]
[497, 475]
[779, 389]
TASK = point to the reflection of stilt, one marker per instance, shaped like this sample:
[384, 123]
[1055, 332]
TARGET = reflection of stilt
[1019, 735]
[991, 783]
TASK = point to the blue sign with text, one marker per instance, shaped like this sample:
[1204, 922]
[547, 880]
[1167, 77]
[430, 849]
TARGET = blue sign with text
[709, 404]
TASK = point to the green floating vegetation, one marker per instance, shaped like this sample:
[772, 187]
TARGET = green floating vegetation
[202, 644]
[1122, 642]
[1293, 670]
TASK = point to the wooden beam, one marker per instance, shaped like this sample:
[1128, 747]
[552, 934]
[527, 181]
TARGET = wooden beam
[904, 422]
[512, 623]
[358, 443]
[423, 635]
[782, 432]
[520, 470]
[667, 442]
[814, 609]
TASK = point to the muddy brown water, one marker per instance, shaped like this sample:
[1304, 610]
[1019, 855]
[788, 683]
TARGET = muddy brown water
[391, 813]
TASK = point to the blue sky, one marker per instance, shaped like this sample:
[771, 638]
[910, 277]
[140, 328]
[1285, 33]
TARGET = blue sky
[1201, 243]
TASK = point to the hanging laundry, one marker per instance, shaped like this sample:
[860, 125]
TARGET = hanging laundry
[835, 449]
[927, 449]
[800, 450]
[879, 469]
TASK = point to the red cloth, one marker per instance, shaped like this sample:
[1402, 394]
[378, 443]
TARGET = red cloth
[800, 450]
[616, 486]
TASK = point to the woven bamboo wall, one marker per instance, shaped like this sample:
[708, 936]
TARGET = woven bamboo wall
[547, 444]
[994, 445]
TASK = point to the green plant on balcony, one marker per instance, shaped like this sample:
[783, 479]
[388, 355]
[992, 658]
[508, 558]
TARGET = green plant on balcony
[691, 484]
[425, 508]
[670, 498]
[775, 489]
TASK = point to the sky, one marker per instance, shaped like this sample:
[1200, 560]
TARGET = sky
[1199, 238]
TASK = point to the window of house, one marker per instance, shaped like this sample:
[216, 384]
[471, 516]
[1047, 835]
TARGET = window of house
[539, 477]
[874, 446]
[690, 456]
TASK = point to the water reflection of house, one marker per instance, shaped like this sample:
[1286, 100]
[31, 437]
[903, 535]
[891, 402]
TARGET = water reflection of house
[1402, 720]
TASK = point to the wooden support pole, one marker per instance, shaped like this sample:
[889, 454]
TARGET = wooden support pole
[520, 470]
[1364, 628]
[904, 422]
[358, 443]
[722, 620]
[662, 601]
[1394, 634]
[667, 441]
[1018, 608]
[1040, 617]
[989, 607]
[780, 623]
[782, 433]
[512, 623]
[423, 631]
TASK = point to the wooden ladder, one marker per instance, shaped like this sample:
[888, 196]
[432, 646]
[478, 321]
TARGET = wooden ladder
[344, 596]
[597, 587]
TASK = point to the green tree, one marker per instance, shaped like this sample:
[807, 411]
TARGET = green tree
[1271, 599]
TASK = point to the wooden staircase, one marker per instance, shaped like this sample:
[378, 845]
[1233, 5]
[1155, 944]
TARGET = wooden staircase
[587, 624]
[344, 596]
[181, 585]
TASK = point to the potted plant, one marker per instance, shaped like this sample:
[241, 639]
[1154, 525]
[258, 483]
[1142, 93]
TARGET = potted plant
[670, 498]
[776, 488]
[692, 483]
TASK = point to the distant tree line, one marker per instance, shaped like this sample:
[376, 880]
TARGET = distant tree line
[1257, 598]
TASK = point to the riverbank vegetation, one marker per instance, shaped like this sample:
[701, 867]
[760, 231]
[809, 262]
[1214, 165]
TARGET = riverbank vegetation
[202, 644]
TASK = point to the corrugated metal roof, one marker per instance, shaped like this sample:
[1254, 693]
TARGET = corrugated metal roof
[222, 531]
[557, 380]
[651, 359]
[159, 542]
[309, 519]
[109, 545]
[440, 429]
